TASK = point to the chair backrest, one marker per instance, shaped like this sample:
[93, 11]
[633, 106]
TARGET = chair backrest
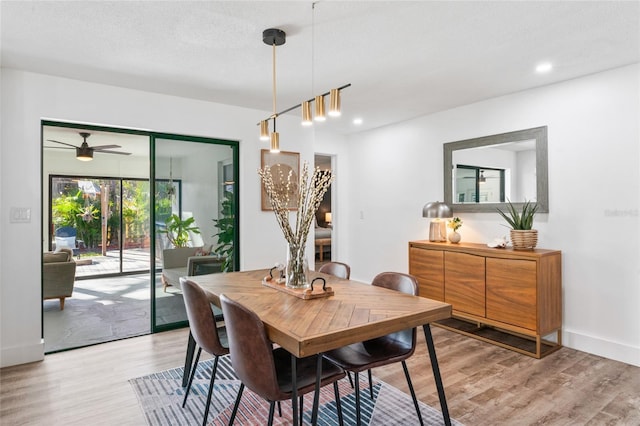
[201, 319]
[66, 231]
[251, 350]
[65, 237]
[337, 269]
[398, 281]
[404, 283]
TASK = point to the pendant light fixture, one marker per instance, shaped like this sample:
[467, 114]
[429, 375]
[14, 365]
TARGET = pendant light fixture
[276, 37]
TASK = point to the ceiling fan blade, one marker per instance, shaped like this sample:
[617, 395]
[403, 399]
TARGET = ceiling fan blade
[111, 152]
[57, 147]
[63, 143]
[101, 147]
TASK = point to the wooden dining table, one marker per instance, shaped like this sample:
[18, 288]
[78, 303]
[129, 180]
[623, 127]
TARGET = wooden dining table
[354, 313]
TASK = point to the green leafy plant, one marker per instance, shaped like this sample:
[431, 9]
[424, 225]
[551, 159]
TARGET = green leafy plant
[226, 227]
[520, 220]
[177, 230]
[455, 223]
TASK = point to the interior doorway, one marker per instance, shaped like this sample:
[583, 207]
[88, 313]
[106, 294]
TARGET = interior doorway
[324, 231]
[112, 211]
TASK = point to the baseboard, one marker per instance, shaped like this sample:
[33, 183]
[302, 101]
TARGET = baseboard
[604, 348]
[22, 354]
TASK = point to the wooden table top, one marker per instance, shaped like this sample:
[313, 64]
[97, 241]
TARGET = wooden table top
[355, 313]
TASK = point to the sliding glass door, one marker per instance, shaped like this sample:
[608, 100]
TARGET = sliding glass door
[195, 221]
[119, 211]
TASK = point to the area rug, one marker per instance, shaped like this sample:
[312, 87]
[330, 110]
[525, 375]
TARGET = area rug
[160, 396]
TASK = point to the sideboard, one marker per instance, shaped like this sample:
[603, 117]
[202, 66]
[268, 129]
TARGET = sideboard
[511, 298]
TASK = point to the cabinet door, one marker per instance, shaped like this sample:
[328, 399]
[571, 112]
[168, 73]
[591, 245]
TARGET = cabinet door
[428, 267]
[511, 292]
[464, 284]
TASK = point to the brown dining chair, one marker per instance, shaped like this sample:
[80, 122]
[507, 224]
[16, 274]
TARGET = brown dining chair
[207, 336]
[337, 269]
[392, 348]
[267, 371]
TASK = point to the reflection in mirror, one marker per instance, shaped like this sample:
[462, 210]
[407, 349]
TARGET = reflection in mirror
[482, 174]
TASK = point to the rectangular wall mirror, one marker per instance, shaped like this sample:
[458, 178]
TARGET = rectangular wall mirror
[482, 174]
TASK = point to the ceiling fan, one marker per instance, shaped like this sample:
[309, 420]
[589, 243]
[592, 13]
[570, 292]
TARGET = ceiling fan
[85, 152]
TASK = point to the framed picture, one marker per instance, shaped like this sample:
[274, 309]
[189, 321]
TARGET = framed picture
[281, 164]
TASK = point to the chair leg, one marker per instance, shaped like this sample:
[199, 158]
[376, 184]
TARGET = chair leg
[193, 373]
[350, 380]
[62, 303]
[210, 393]
[188, 359]
[370, 384]
[235, 406]
[336, 392]
[271, 410]
[413, 393]
[279, 409]
[356, 377]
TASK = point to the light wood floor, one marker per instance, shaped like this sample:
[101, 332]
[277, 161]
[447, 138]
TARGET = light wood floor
[485, 385]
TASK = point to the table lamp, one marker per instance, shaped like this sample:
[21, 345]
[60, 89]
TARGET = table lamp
[327, 218]
[437, 212]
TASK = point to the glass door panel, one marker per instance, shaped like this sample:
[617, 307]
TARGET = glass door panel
[195, 213]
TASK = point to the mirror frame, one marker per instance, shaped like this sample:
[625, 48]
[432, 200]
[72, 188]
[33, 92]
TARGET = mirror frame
[542, 179]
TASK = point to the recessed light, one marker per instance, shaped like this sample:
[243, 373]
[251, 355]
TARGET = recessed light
[357, 121]
[544, 67]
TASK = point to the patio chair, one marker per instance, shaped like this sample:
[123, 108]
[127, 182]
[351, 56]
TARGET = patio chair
[65, 237]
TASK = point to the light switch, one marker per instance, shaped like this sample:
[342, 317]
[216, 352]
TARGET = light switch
[20, 215]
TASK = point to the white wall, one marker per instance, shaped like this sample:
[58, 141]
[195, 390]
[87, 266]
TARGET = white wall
[383, 178]
[27, 98]
[594, 193]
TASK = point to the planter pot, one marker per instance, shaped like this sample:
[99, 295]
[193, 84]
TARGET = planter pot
[524, 239]
[455, 237]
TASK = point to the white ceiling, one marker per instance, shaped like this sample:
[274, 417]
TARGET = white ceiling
[404, 59]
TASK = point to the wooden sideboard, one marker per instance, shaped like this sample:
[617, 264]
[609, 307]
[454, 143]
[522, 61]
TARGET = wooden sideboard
[512, 298]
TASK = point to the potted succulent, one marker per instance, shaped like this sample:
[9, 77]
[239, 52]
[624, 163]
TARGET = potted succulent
[523, 237]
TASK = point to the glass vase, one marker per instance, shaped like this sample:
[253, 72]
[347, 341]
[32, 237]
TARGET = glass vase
[297, 268]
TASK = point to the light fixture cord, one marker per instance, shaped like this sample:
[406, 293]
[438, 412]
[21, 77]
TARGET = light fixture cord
[274, 79]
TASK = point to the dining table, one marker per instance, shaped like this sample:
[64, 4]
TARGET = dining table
[354, 312]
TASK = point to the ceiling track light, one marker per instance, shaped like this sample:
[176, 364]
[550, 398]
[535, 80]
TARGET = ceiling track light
[276, 37]
[320, 116]
[275, 142]
[306, 113]
[264, 130]
[334, 103]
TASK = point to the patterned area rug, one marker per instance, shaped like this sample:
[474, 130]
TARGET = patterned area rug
[160, 396]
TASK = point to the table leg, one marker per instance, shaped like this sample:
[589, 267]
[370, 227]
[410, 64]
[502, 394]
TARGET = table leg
[316, 396]
[294, 389]
[436, 374]
[191, 348]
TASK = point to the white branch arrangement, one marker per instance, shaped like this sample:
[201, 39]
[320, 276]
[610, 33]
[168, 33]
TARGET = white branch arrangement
[311, 190]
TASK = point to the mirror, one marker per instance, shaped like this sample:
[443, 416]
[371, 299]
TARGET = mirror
[481, 174]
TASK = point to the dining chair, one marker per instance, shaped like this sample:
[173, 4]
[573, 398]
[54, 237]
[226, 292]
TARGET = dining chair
[340, 270]
[392, 348]
[207, 336]
[267, 371]
[337, 269]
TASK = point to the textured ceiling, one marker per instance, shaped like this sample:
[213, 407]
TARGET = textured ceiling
[404, 59]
